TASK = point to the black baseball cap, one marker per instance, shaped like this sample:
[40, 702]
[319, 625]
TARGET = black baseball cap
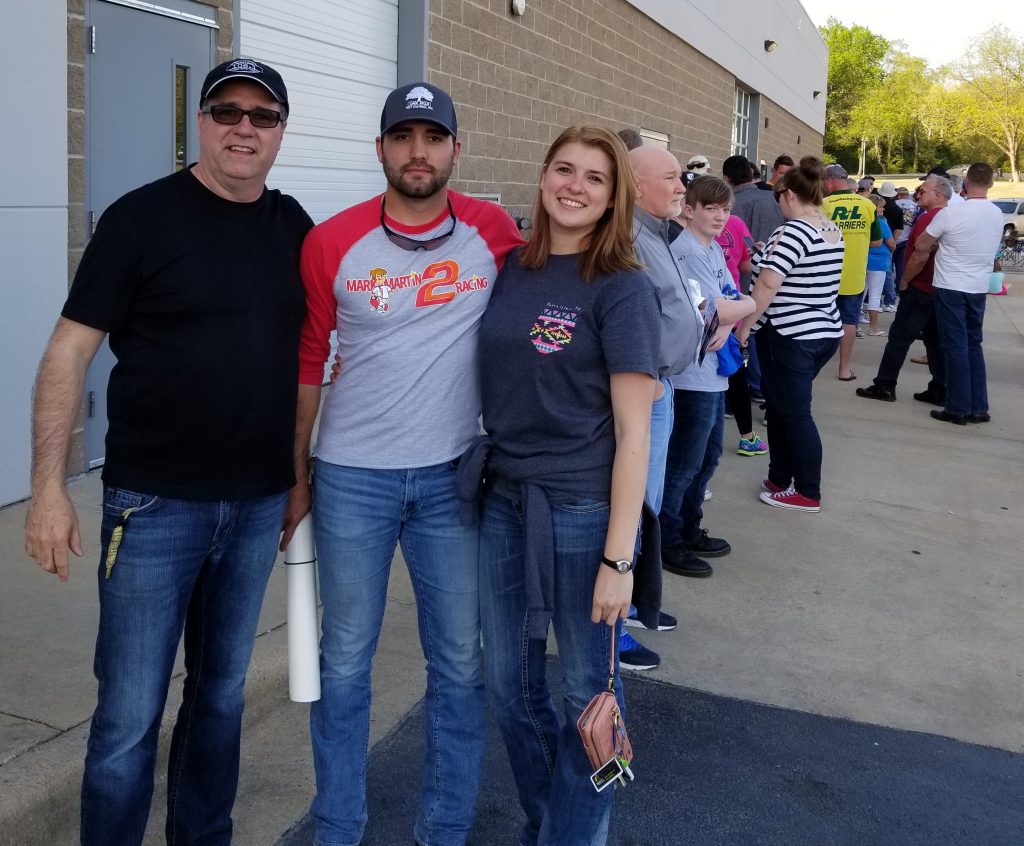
[938, 170]
[251, 70]
[419, 101]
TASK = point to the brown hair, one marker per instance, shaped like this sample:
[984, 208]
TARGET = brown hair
[980, 174]
[708, 191]
[609, 248]
[805, 181]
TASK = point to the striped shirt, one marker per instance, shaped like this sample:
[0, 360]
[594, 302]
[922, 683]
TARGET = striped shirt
[804, 306]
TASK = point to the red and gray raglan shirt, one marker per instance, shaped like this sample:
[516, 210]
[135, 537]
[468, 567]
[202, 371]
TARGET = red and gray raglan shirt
[408, 394]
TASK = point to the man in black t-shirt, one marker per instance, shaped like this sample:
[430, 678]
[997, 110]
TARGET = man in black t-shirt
[195, 279]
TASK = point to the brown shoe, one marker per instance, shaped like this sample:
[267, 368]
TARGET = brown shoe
[920, 359]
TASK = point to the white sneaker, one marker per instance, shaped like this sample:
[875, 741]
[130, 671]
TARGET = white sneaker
[707, 494]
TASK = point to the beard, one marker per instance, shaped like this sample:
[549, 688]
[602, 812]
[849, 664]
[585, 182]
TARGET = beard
[419, 190]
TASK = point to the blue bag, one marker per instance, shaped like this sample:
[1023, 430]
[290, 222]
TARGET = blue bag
[730, 357]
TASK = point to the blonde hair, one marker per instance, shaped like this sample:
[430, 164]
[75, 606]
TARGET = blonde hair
[609, 248]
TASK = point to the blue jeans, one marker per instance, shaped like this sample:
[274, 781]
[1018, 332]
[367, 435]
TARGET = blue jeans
[550, 766]
[693, 453]
[889, 288]
[662, 420]
[960, 317]
[201, 567]
[359, 517]
[788, 368]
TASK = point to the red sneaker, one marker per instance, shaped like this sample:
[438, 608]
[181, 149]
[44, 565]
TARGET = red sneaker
[770, 486]
[791, 499]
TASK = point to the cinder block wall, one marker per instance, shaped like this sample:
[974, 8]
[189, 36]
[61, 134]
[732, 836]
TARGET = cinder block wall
[518, 81]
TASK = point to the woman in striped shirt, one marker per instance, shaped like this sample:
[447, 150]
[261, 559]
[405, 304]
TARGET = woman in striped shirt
[797, 325]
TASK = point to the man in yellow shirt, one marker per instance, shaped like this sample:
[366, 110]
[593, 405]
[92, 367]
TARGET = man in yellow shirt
[856, 217]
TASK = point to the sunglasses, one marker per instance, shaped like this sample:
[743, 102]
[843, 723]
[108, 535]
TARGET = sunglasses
[411, 244]
[232, 116]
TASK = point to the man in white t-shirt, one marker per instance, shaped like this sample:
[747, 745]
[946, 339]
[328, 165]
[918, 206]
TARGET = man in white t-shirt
[967, 238]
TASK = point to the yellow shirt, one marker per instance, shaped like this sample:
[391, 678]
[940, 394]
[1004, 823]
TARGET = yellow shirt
[855, 216]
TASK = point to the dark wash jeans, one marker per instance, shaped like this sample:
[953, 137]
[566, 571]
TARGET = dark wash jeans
[198, 566]
[960, 317]
[788, 368]
[915, 315]
[693, 453]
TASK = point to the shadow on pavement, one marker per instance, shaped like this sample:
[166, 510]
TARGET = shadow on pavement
[712, 770]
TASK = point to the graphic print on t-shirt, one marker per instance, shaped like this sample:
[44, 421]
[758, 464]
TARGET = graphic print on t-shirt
[438, 283]
[552, 330]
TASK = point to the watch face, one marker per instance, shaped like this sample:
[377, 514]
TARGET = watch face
[622, 566]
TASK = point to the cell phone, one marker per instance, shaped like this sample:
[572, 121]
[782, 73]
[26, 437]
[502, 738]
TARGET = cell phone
[750, 243]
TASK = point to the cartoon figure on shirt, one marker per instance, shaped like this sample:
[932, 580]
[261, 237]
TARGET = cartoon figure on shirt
[381, 290]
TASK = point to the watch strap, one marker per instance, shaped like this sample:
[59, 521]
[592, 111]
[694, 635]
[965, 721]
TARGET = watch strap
[615, 564]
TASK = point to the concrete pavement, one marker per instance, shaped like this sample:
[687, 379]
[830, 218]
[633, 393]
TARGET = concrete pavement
[898, 605]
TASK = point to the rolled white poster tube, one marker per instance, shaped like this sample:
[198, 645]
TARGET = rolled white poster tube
[303, 628]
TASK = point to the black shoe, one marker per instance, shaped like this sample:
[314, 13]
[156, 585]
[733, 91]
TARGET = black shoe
[875, 392]
[682, 562]
[983, 417]
[929, 397]
[946, 417]
[708, 546]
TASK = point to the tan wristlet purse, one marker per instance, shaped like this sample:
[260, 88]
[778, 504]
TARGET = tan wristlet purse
[604, 733]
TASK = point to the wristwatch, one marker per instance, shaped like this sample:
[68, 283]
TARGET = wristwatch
[621, 566]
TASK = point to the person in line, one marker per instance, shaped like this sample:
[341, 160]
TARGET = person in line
[915, 315]
[659, 195]
[878, 267]
[569, 360]
[699, 165]
[195, 278]
[796, 281]
[696, 443]
[762, 216]
[733, 241]
[779, 167]
[412, 368]
[894, 217]
[908, 208]
[856, 216]
[965, 237]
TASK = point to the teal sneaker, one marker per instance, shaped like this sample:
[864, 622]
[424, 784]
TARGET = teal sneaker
[754, 446]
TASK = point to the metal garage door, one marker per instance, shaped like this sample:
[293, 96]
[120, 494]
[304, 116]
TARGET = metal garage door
[339, 61]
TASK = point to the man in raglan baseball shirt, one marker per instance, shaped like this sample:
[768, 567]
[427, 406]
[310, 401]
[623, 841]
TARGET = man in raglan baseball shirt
[402, 410]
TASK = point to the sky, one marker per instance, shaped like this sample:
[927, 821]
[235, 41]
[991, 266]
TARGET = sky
[936, 38]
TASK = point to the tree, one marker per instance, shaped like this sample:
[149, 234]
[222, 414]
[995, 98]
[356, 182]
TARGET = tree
[854, 68]
[990, 97]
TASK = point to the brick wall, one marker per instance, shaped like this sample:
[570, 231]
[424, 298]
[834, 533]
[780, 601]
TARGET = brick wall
[785, 134]
[518, 81]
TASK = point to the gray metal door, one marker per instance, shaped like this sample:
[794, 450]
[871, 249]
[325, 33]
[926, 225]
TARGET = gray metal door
[145, 66]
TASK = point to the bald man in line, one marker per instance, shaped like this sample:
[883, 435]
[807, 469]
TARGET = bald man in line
[659, 199]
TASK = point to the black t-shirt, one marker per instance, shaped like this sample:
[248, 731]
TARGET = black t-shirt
[548, 344]
[203, 302]
[893, 214]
